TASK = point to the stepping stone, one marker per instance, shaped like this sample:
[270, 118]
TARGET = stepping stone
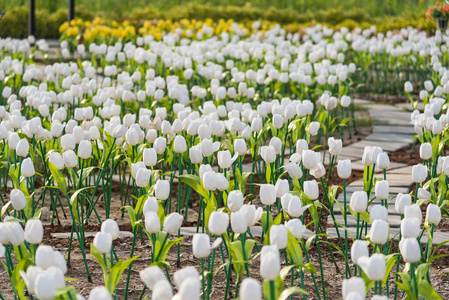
[66, 235]
[393, 220]
[390, 137]
[352, 152]
[255, 231]
[408, 130]
[386, 146]
[403, 170]
[391, 209]
[359, 166]
[358, 184]
[438, 236]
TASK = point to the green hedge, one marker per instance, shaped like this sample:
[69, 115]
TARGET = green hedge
[15, 22]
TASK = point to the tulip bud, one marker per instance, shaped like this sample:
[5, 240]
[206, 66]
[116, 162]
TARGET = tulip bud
[408, 87]
[359, 201]
[359, 249]
[162, 291]
[190, 289]
[378, 212]
[301, 146]
[380, 232]
[268, 154]
[180, 145]
[410, 228]
[238, 222]
[382, 189]
[111, 227]
[150, 205]
[201, 245]
[251, 214]
[225, 160]
[425, 151]
[278, 236]
[235, 200]
[294, 207]
[15, 233]
[344, 168]
[56, 159]
[34, 232]
[296, 228]
[162, 189]
[250, 289]
[354, 285]
[419, 173]
[293, 170]
[70, 159]
[218, 222]
[85, 149]
[383, 161]
[267, 194]
[402, 200]
[99, 293]
[68, 142]
[27, 168]
[374, 266]
[151, 276]
[240, 146]
[18, 199]
[270, 265]
[318, 171]
[160, 144]
[172, 223]
[282, 187]
[103, 242]
[44, 286]
[410, 250]
[209, 181]
[143, 177]
[335, 146]
[152, 222]
[313, 128]
[310, 159]
[311, 189]
[149, 157]
[413, 211]
[222, 182]
[433, 214]
[195, 155]
[185, 273]
[22, 148]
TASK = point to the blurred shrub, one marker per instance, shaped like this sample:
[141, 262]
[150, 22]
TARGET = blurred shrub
[15, 22]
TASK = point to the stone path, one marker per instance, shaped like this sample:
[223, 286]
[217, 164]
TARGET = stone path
[392, 131]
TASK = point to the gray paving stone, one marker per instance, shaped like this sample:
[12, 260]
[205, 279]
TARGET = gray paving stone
[65, 235]
[396, 129]
[386, 146]
[393, 220]
[390, 137]
[439, 236]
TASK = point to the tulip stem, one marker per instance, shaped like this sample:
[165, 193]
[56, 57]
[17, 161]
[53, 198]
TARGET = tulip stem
[202, 279]
[143, 291]
[357, 228]
[348, 272]
[243, 238]
[321, 264]
[131, 255]
[413, 277]
[416, 192]
[272, 291]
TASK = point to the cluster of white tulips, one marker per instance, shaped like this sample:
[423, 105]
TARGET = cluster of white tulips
[242, 133]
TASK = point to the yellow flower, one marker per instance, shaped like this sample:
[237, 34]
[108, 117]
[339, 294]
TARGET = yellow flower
[63, 27]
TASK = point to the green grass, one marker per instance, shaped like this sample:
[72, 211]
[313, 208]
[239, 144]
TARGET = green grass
[120, 8]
